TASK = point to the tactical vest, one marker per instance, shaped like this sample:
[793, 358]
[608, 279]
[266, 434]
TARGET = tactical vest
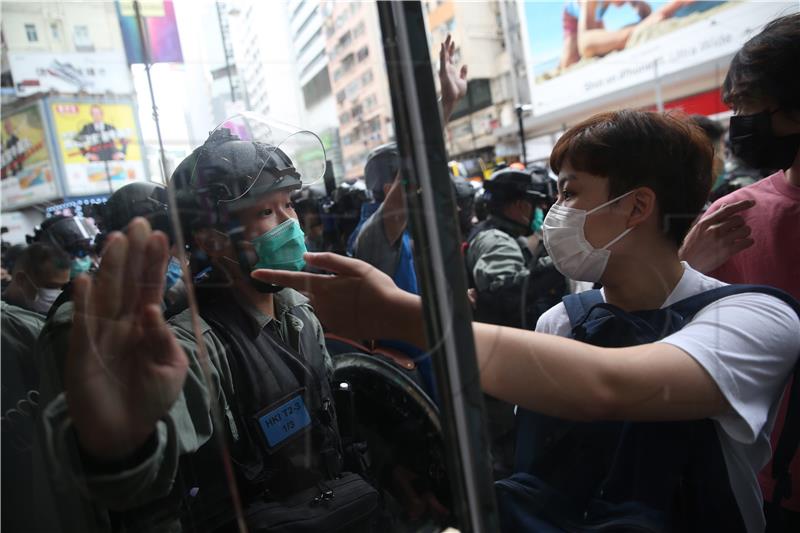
[514, 305]
[282, 434]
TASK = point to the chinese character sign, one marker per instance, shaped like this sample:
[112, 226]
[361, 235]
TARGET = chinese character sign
[99, 144]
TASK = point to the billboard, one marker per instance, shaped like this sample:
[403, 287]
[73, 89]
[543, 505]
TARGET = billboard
[27, 174]
[91, 73]
[160, 27]
[578, 51]
[99, 144]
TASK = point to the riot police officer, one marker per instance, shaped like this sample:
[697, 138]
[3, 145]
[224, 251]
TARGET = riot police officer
[512, 284]
[507, 264]
[138, 399]
[73, 235]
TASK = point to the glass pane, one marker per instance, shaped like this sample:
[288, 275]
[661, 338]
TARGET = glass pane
[151, 382]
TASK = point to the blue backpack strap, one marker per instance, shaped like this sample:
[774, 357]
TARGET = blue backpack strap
[787, 445]
[579, 305]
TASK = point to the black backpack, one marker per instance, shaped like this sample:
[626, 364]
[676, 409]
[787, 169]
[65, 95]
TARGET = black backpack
[644, 476]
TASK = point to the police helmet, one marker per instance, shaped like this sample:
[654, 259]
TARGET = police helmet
[73, 235]
[140, 199]
[307, 200]
[227, 174]
[544, 181]
[464, 191]
[381, 168]
[510, 184]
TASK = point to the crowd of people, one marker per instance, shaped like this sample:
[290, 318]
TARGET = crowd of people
[635, 322]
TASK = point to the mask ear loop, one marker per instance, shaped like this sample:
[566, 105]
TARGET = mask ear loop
[610, 202]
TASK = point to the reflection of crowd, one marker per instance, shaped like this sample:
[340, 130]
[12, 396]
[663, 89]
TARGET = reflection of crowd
[633, 385]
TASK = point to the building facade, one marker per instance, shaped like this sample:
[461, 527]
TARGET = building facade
[480, 30]
[64, 47]
[263, 59]
[308, 47]
[358, 81]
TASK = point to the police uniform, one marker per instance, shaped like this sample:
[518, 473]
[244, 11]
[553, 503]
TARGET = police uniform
[513, 285]
[188, 425]
[271, 377]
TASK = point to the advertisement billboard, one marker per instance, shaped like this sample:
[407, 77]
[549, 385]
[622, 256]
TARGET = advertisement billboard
[91, 73]
[27, 174]
[99, 145]
[161, 28]
[578, 51]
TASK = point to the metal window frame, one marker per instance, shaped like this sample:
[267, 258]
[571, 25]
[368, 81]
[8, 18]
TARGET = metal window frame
[437, 252]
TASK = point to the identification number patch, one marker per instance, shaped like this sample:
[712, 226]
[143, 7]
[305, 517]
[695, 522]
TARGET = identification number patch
[285, 420]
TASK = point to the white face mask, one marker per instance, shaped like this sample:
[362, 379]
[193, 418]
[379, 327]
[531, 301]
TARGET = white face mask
[44, 299]
[566, 242]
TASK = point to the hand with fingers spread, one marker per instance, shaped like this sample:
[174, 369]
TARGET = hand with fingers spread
[452, 80]
[358, 301]
[717, 237]
[124, 369]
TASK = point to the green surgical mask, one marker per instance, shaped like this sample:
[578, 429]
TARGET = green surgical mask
[79, 266]
[537, 220]
[282, 247]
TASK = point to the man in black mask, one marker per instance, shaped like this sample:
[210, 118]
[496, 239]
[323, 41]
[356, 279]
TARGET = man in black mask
[759, 245]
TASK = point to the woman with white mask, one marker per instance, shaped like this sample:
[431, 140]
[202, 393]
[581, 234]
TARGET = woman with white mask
[663, 410]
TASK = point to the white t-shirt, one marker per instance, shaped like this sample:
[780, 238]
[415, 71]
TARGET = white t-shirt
[748, 343]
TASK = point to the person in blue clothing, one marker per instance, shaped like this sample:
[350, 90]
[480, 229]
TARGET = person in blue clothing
[382, 238]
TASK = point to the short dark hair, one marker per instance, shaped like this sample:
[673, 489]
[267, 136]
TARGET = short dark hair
[766, 67]
[713, 129]
[663, 151]
[35, 258]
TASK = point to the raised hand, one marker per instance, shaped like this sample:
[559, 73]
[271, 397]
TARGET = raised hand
[452, 80]
[124, 369]
[717, 237]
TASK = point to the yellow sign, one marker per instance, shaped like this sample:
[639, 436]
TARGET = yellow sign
[26, 172]
[99, 144]
[23, 141]
[96, 132]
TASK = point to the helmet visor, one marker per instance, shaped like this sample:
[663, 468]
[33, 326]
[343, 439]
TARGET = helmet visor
[276, 156]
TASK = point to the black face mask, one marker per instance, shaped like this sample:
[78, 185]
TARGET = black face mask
[753, 141]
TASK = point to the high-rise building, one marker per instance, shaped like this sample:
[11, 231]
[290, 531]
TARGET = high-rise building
[65, 47]
[262, 49]
[480, 30]
[358, 80]
[308, 46]
[213, 89]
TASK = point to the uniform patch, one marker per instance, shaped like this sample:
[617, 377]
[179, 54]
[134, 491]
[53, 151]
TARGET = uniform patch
[282, 422]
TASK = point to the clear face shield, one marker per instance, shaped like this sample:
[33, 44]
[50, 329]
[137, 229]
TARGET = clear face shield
[270, 156]
[74, 235]
[246, 159]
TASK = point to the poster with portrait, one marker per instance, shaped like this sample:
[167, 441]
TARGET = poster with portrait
[100, 146]
[27, 173]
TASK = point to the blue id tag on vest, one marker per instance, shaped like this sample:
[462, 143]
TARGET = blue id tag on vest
[284, 420]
